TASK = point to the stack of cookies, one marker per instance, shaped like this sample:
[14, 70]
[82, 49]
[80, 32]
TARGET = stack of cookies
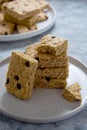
[23, 14]
[51, 53]
[42, 65]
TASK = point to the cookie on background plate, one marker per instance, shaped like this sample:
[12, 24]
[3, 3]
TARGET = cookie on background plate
[20, 9]
[6, 28]
[24, 29]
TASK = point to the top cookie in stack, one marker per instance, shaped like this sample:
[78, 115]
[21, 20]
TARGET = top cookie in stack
[25, 14]
[52, 57]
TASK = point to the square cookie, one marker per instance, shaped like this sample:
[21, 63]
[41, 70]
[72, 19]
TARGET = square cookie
[47, 60]
[26, 22]
[21, 75]
[20, 9]
[54, 45]
[47, 82]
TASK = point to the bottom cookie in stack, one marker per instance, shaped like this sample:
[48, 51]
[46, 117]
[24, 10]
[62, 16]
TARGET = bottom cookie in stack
[47, 82]
[51, 77]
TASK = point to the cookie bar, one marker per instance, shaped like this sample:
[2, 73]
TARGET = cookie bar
[24, 29]
[20, 9]
[61, 72]
[52, 45]
[41, 16]
[6, 28]
[47, 82]
[20, 75]
[72, 93]
[27, 22]
[47, 60]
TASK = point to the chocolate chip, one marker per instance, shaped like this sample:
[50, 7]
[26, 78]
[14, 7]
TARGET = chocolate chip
[47, 52]
[3, 24]
[37, 58]
[53, 37]
[27, 63]
[48, 78]
[29, 84]
[6, 33]
[7, 81]
[18, 85]
[29, 28]
[5, 7]
[46, 17]
[16, 77]
[25, 4]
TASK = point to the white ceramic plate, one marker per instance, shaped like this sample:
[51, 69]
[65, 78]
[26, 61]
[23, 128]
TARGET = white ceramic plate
[42, 27]
[46, 105]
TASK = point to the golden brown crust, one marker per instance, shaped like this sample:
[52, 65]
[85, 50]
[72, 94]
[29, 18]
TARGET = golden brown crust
[47, 82]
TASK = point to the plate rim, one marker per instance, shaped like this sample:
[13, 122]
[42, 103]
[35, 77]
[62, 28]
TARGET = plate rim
[53, 118]
[15, 37]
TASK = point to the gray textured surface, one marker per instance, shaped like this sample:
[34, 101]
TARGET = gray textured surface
[71, 23]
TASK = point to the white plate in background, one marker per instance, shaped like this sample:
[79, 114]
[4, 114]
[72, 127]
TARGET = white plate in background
[46, 105]
[42, 27]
